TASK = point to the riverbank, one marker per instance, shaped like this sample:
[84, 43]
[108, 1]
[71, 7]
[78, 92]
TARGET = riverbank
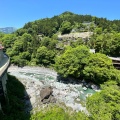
[35, 78]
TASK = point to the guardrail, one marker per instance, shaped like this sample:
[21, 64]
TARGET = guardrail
[5, 66]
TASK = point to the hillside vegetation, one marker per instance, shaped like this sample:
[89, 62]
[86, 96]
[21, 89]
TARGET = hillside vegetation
[37, 44]
[24, 45]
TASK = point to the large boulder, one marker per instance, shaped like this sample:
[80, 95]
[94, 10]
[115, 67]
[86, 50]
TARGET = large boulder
[46, 95]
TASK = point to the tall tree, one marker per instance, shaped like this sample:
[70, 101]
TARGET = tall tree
[72, 62]
[99, 69]
[65, 27]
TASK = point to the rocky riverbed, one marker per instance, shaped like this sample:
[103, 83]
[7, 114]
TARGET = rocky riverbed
[37, 78]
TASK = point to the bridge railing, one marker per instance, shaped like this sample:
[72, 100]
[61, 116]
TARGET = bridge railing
[5, 65]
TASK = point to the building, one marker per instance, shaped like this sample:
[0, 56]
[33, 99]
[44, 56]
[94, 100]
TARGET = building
[92, 51]
[116, 62]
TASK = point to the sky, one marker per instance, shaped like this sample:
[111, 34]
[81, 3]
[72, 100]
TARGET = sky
[15, 13]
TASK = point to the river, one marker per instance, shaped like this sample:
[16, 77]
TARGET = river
[35, 78]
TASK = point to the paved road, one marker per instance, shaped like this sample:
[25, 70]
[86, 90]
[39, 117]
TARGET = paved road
[4, 64]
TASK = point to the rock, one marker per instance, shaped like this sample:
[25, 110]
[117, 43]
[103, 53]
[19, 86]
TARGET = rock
[45, 93]
[89, 94]
[81, 92]
[69, 94]
[51, 99]
[94, 87]
[78, 99]
[45, 101]
[84, 88]
[83, 81]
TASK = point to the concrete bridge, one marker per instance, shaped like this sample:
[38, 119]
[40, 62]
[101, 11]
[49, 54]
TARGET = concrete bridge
[4, 64]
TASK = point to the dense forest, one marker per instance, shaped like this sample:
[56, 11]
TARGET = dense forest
[37, 44]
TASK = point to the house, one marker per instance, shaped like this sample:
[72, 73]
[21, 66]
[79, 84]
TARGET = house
[116, 62]
[92, 51]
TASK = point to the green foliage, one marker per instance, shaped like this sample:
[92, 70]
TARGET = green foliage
[99, 68]
[105, 105]
[106, 43]
[29, 38]
[49, 43]
[78, 62]
[54, 113]
[44, 56]
[19, 61]
[20, 31]
[72, 61]
[36, 44]
[8, 40]
[65, 27]
[58, 113]
[76, 43]
[25, 55]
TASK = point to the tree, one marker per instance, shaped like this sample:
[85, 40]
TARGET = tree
[98, 30]
[26, 38]
[72, 61]
[58, 113]
[8, 40]
[49, 43]
[105, 105]
[20, 31]
[19, 61]
[44, 56]
[106, 43]
[65, 27]
[76, 43]
[99, 69]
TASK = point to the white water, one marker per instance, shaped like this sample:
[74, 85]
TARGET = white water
[34, 78]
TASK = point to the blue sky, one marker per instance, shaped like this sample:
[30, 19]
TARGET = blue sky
[15, 13]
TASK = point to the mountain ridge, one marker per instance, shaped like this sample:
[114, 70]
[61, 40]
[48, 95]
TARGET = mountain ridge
[8, 30]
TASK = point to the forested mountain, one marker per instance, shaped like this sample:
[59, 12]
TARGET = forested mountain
[37, 43]
[50, 26]
[26, 45]
[8, 30]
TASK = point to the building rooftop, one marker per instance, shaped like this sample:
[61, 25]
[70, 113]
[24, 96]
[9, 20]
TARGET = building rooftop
[115, 58]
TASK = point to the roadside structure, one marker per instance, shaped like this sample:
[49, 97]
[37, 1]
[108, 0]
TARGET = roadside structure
[4, 64]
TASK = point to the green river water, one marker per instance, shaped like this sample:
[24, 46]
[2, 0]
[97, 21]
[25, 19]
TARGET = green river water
[46, 77]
